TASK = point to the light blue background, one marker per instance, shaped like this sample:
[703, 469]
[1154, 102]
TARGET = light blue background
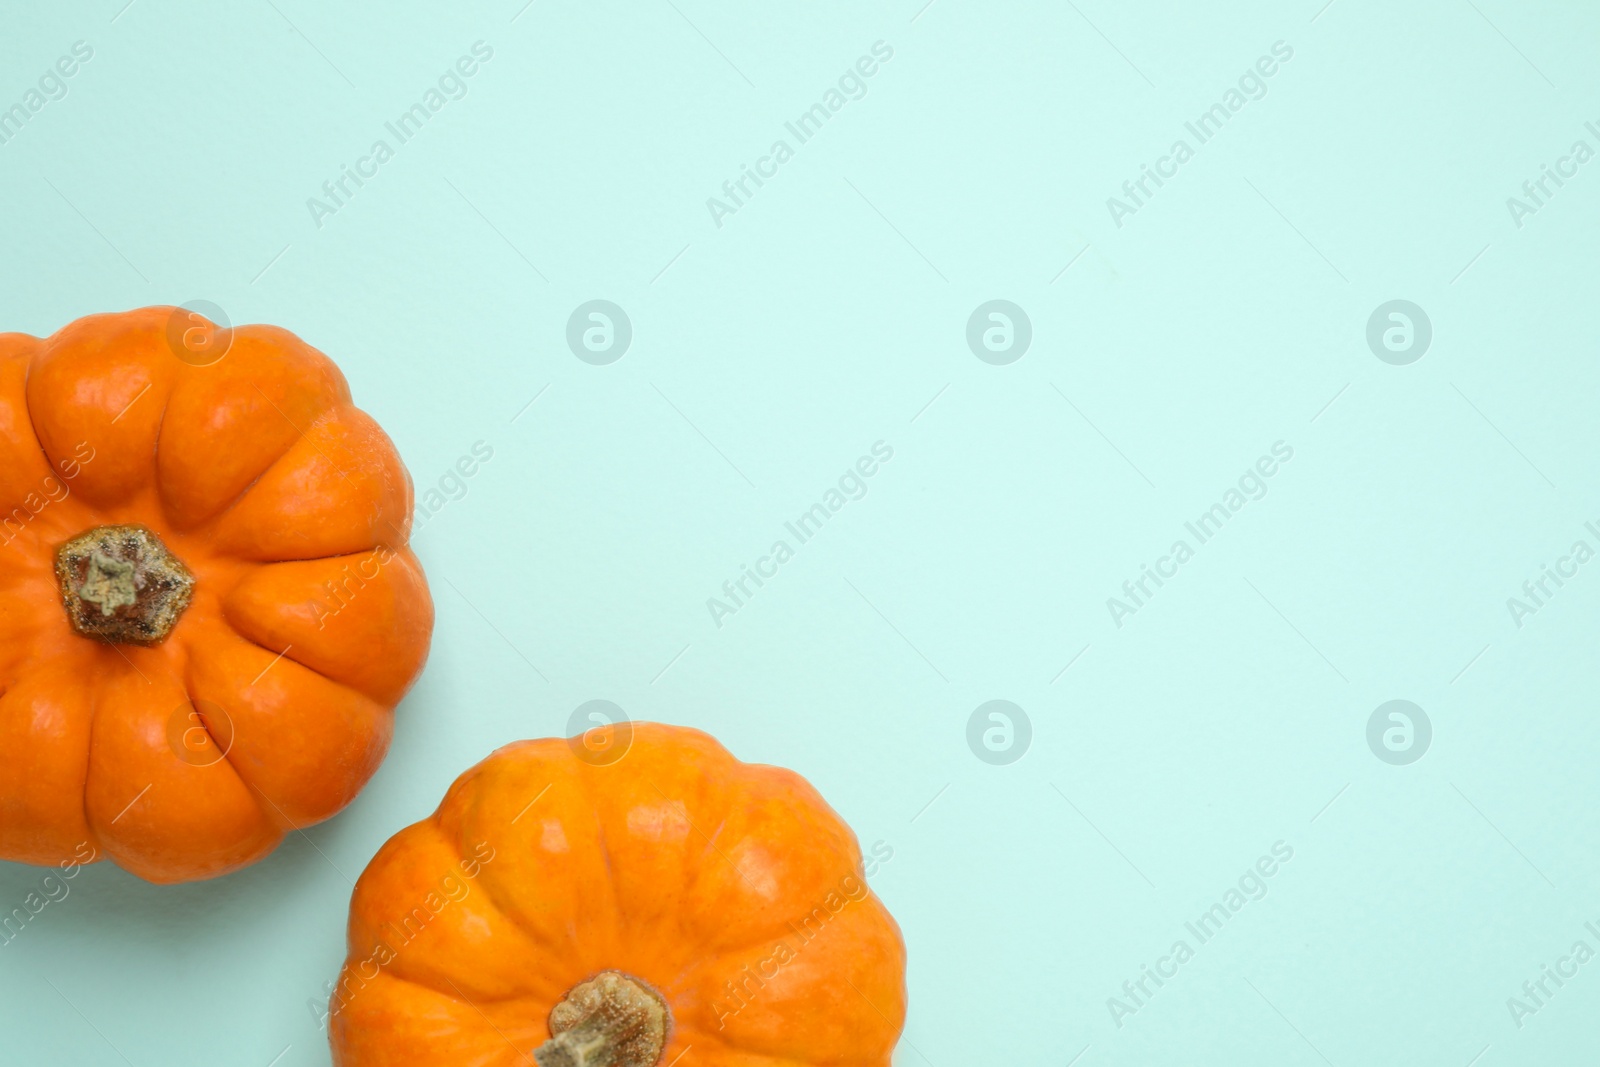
[829, 313]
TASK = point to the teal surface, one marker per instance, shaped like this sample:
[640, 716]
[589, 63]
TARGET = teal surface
[1202, 760]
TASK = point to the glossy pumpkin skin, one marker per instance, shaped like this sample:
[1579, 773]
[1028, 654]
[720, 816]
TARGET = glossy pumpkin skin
[677, 864]
[310, 616]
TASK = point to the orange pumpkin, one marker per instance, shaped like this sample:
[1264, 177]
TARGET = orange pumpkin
[208, 611]
[620, 912]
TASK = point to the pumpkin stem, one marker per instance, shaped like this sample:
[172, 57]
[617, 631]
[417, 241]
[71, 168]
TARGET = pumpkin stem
[612, 1020]
[121, 584]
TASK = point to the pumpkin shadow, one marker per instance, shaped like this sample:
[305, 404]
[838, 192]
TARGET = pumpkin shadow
[104, 903]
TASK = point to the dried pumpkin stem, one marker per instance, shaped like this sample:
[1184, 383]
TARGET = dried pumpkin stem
[121, 584]
[612, 1020]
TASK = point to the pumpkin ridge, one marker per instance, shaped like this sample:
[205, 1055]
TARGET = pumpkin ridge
[180, 682]
[322, 417]
[88, 762]
[27, 410]
[723, 951]
[212, 520]
[336, 407]
[321, 650]
[216, 517]
[511, 915]
[700, 863]
[535, 1001]
[155, 447]
[348, 424]
[280, 820]
[278, 817]
[609, 906]
[284, 653]
[747, 773]
[227, 757]
[319, 559]
[298, 374]
[705, 1037]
